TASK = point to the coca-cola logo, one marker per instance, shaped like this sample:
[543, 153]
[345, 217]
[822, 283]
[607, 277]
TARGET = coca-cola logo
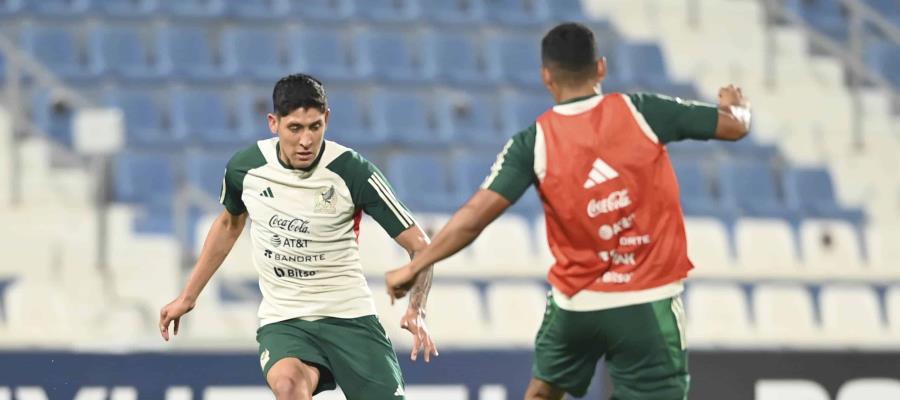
[615, 201]
[298, 225]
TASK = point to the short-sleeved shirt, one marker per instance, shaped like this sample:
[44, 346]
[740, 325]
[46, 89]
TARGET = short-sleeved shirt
[304, 227]
[671, 119]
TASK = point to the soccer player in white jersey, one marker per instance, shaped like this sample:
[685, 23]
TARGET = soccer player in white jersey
[304, 196]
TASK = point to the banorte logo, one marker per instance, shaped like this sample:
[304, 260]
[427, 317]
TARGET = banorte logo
[615, 201]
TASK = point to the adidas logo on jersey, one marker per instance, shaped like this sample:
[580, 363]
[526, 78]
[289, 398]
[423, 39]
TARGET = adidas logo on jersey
[600, 172]
[267, 193]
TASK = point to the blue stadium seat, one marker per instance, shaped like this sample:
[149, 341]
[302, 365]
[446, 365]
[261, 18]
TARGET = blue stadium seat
[205, 171]
[155, 218]
[521, 109]
[144, 177]
[887, 8]
[56, 46]
[640, 63]
[518, 12]
[811, 189]
[188, 53]
[146, 117]
[469, 171]
[405, 116]
[193, 8]
[517, 57]
[253, 105]
[394, 56]
[10, 8]
[258, 9]
[349, 122]
[885, 57]
[323, 52]
[458, 58]
[126, 9]
[58, 8]
[388, 11]
[52, 115]
[255, 53]
[422, 182]
[121, 50]
[462, 12]
[472, 118]
[204, 116]
[567, 10]
[697, 196]
[754, 188]
[322, 10]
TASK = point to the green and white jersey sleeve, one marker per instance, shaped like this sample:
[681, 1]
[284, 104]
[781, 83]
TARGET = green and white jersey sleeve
[671, 119]
[303, 228]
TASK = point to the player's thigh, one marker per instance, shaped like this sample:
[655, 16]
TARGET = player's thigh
[647, 355]
[540, 390]
[362, 359]
[293, 340]
[567, 348]
[290, 375]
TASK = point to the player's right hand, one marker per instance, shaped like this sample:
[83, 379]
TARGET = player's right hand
[731, 95]
[172, 312]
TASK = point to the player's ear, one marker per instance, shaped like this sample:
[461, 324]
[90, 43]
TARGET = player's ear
[546, 77]
[327, 115]
[601, 69]
[273, 123]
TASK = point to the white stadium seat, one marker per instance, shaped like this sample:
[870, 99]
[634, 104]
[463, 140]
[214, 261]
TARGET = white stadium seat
[765, 245]
[870, 389]
[830, 245]
[707, 242]
[884, 253]
[238, 263]
[544, 257]
[892, 305]
[458, 315]
[461, 263]
[36, 313]
[515, 311]
[717, 314]
[851, 315]
[505, 248]
[785, 314]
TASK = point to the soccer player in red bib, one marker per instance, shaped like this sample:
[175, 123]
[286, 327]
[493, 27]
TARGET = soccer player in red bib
[614, 223]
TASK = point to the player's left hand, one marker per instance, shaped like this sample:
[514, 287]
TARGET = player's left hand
[399, 281]
[414, 322]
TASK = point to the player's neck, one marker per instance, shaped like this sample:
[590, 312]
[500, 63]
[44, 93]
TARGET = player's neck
[567, 94]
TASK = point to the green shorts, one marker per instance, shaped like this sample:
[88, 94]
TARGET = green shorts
[642, 344]
[354, 353]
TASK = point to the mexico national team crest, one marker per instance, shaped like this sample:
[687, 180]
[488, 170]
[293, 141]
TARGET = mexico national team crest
[325, 201]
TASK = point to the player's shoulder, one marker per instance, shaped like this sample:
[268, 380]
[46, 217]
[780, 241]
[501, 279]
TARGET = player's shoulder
[344, 161]
[251, 157]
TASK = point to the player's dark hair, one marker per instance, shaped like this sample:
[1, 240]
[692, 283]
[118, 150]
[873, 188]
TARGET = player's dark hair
[569, 51]
[298, 91]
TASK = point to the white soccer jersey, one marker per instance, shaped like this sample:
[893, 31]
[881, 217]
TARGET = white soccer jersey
[304, 226]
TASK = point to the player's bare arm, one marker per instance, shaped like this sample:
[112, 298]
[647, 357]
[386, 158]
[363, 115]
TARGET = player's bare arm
[222, 235]
[414, 240]
[465, 225]
[734, 114]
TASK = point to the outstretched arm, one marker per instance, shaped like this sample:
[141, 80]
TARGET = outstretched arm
[414, 240]
[462, 229]
[734, 114]
[222, 235]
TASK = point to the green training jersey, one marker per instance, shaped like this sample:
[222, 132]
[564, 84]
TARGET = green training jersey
[304, 225]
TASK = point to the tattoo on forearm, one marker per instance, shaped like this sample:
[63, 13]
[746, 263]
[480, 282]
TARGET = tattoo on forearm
[418, 294]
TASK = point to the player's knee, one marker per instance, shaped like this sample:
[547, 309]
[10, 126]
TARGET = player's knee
[290, 388]
[540, 390]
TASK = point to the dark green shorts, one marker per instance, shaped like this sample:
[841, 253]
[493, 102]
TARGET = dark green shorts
[354, 353]
[642, 344]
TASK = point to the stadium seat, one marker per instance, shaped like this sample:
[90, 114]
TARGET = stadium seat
[258, 9]
[458, 58]
[794, 325]
[350, 122]
[696, 189]
[884, 254]
[205, 171]
[322, 10]
[144, 177]
[544, 256]
[145, 117]
[193, 8]
[326, 53]
[830, 245]
[567, 10]
[887, 8]
[851, 315]
[41, 264]
[236, 267]
[892, 309]
[469, 172]
[521, 110]
[58, 8]
[518, 12]
[454, 11]
[406, 116]
[461, 264]
[422, 182]
[123, 52]
[462, 321]
[53, 114]
[36, 313]
[869, 388]
[188, 52]
[57, 47]
[126, 9]
[765, 246]
[394, 56]
[12, 8]
[718, 314]
[253, 104]
[504, 248]
[753, 187]
[884, 57]
[205, 116]
[812, 190]
[515, 311]
[640, 63]
[255, 53]
[708, 246]
[388, 11]
[517, 58]
[472, 118]
[378, 252]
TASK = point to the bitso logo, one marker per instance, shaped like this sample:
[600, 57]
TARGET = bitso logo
[325, 202]
[615, 201]
[617, 258]
[298, 225]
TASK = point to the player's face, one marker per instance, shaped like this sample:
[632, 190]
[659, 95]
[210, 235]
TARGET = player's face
[300, 135]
